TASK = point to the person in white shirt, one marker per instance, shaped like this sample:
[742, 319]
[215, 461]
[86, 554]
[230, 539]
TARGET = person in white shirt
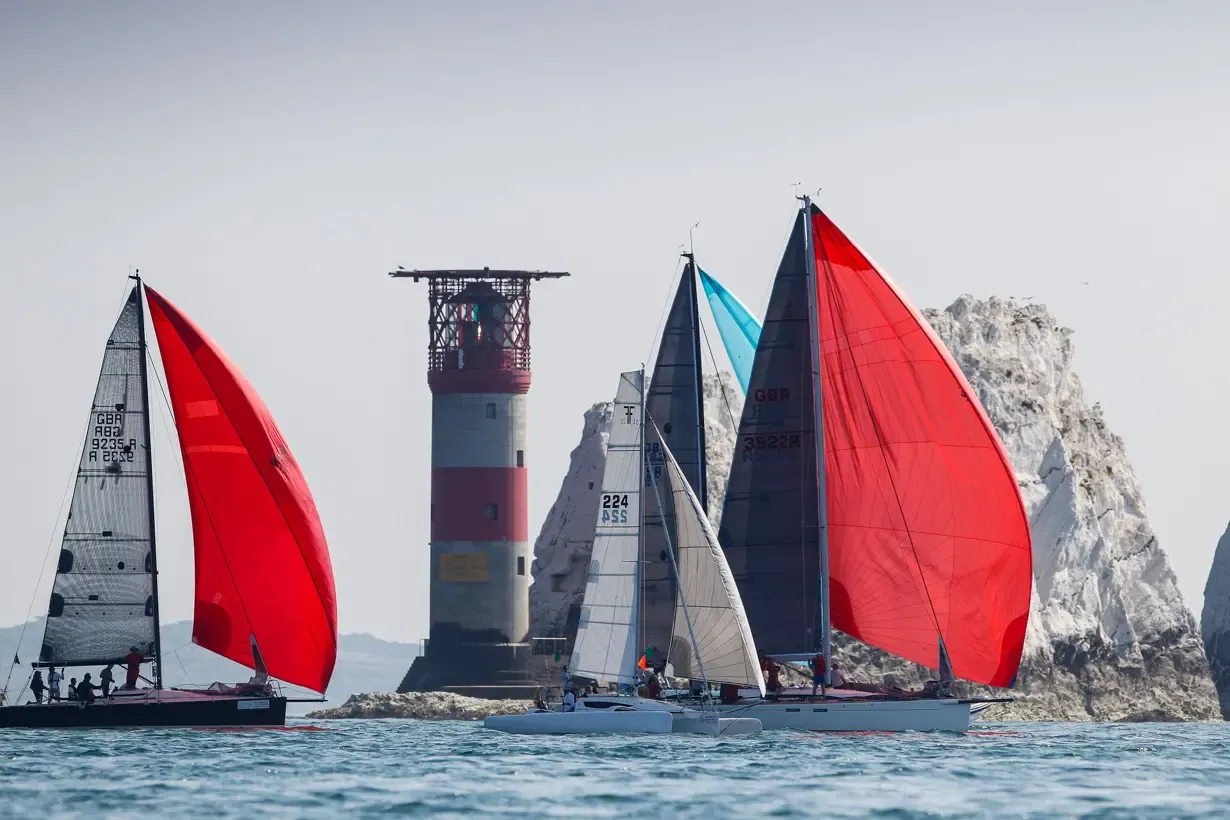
[570, 701]
[53, 683]
[839, 679]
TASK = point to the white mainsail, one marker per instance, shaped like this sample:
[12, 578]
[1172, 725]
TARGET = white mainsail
[605, 648]
[712, 640]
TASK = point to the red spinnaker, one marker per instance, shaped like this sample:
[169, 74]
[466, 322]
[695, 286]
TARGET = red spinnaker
[927, 532]
[262, 564]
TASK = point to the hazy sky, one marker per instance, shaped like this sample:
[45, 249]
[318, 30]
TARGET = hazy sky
[265, 164]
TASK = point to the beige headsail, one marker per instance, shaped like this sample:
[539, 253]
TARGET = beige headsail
[712, 639]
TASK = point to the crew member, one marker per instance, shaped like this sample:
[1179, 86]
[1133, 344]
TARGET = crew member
[85, 689]
[817, 674]
[36, 686]
[134, 659]
[570, 701]
[53, 682]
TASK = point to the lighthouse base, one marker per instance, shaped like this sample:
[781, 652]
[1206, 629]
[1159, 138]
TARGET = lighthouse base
[495, 671]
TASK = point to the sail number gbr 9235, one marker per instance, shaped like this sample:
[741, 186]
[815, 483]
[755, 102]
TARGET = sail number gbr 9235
[107, 442]
[614, 508]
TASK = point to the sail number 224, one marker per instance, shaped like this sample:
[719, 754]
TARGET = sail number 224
[614, 508]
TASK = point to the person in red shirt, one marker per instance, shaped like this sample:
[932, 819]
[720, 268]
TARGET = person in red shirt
[817, 674]
[134, 660]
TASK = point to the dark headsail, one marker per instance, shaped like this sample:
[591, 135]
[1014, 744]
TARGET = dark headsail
[769, 526]
[103, 601]
[675, 403]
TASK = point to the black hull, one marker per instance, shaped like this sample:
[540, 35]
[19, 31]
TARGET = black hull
[220, 712]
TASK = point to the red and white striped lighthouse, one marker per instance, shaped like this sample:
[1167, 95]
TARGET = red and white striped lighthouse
[479, 374]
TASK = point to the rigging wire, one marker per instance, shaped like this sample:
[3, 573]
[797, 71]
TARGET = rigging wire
[69, 491]
[175, 652]
[649, 357]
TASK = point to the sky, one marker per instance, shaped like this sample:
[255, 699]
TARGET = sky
[264, 166]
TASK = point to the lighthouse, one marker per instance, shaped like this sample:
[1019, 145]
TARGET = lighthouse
[478, 370]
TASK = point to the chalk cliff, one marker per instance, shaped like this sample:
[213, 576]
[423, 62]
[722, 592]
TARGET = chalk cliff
[1109, 635]
[1215, 622]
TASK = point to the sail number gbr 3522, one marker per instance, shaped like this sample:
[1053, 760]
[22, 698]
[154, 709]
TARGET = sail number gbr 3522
[614, 508]
[107, 442]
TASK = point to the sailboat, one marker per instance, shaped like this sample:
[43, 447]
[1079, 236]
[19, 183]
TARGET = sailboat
[640, 465]
[870, 493]
[264, 593]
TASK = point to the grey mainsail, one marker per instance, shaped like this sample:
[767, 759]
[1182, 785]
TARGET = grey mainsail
[103, 600]
[769, 527]
[675, 403]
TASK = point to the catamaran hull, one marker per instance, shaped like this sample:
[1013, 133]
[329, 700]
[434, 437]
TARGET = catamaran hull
[691, 723]
[927, 715]
[199, 712]
[583, 723]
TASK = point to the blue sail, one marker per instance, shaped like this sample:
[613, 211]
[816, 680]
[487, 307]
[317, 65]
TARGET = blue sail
[738, 327]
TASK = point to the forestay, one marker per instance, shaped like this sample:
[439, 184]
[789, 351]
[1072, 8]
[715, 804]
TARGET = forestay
[102, 601]
[606, 642]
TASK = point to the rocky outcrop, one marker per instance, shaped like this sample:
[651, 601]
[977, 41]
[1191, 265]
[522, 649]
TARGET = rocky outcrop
[421, 705]
[562, 550]
[1215, 622]
[1109, 635]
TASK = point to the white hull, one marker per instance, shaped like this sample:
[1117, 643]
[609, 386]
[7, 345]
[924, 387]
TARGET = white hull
[931, 715]
[696, 723]
[583, 722]
[621, 714]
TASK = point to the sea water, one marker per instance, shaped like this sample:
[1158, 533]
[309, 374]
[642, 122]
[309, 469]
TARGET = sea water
[415, 769]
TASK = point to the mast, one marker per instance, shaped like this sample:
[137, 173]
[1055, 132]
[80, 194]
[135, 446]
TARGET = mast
[638, 564]
[813, 309]
[149, 481]
[702, 491]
